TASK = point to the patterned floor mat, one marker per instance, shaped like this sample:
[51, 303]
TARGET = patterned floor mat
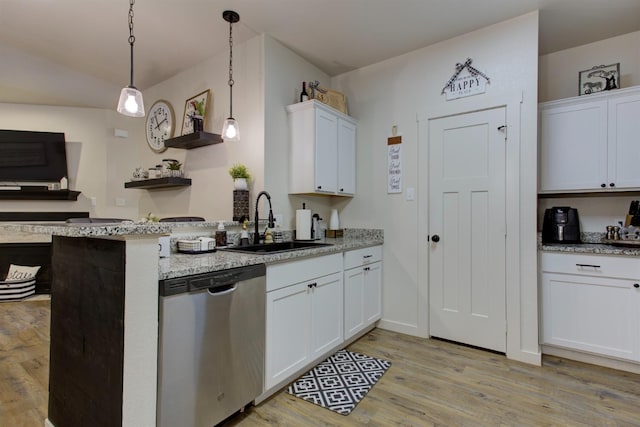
[339, 382]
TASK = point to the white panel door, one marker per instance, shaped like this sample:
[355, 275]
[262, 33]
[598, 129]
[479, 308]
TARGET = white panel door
[624, 141]
[288, 332]
[326, 152]
[467, 229]
[346, 157]
[573, 147]
[326, 314]
[595, 314]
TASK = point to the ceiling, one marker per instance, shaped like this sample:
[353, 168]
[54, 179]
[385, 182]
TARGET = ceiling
[90, 36]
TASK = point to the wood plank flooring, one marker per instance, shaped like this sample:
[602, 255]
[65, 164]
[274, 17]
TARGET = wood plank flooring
[430, 383]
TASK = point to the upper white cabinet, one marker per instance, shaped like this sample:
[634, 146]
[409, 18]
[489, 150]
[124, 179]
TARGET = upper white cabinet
[323, 150]
[590, 143]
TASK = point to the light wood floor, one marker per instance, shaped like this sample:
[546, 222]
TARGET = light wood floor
[430, 383]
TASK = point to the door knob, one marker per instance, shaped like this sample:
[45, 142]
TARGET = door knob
[435, 238]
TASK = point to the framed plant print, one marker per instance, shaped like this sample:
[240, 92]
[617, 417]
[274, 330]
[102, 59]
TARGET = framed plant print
[599, 78]
[195, 112]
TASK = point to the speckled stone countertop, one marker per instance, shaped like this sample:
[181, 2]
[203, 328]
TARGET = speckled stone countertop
[591, 245]
[178, 265]
[98, 230]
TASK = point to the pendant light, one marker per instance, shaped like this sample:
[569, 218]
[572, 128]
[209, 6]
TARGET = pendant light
[130, 102]
[230, 130]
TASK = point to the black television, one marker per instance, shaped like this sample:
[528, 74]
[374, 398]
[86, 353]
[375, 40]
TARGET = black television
[29, 156]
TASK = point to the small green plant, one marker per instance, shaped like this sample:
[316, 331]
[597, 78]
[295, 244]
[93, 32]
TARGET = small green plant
[239, 171]
[174, 166]
[198, 106]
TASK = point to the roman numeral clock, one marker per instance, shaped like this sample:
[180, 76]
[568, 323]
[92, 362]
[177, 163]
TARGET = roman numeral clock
[160, 125]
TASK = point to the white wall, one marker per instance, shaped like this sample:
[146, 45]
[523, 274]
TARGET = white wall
[403, 90]
[558, 78]
[558, 71]
[211, 192]
[97, 161]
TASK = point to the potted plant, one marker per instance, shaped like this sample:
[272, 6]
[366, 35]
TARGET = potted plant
[174, 168]
[198, 115]
[240, 175]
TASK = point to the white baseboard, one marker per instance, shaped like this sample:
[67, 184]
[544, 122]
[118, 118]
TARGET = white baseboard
[402, 328]
[593, 359]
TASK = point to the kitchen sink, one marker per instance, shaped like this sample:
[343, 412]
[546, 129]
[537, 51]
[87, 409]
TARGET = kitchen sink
[269, 248]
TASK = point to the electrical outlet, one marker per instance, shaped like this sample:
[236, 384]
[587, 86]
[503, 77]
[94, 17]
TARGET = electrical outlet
[279, 218]
[94, 201]
[120, 201]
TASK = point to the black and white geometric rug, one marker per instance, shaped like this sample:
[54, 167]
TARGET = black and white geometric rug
[340, 382]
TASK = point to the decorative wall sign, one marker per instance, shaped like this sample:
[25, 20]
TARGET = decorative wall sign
[394, 164]
[460, 85]
[599, 78]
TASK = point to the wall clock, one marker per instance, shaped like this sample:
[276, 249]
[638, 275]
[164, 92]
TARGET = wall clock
[160, 125]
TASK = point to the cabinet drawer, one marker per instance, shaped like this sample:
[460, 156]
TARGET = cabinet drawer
[363, 256]
[289, 273]
[591, 265]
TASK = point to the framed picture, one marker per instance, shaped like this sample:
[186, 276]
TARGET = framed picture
[195, 108]
[599, 78]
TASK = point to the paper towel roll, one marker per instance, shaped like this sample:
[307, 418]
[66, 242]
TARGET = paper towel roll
[303, 224]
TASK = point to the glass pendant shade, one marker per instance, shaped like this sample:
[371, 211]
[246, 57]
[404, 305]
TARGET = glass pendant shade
[230, 130]
[130, 102]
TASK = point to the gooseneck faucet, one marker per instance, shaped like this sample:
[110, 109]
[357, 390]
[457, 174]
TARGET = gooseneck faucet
[256, 235]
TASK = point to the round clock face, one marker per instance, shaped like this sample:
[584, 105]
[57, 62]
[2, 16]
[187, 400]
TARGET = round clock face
[160, 125]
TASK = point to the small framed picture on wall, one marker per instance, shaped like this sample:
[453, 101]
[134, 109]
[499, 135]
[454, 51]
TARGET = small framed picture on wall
[195, 113]
[599, 78]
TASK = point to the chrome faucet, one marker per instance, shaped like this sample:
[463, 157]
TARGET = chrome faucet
[256, 235]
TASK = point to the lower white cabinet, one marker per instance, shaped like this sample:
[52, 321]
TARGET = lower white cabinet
[304, 314]
[591, 303]
[362, 289]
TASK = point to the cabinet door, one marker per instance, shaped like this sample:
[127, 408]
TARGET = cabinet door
[573, 146]
[326, 314]
[624, 141]
[353, 301]
[595, 314]
[346, 157]
[326, 179]
[372, 293]
[287, 332]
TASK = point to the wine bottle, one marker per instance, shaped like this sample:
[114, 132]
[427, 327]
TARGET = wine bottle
[304, 96]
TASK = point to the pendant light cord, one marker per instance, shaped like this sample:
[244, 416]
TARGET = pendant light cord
[230, 69]
[132, 38]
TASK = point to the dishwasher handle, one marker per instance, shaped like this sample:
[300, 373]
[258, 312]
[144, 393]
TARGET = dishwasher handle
[222, 290]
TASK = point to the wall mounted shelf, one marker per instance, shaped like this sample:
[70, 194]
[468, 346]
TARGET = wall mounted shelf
[166, 182]
[193, 140]
[39, 195]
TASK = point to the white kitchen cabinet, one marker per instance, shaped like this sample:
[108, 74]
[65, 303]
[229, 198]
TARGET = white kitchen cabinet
[591, 303]
[589, 143]
[362, 289]
[304, 314]
[322, 150]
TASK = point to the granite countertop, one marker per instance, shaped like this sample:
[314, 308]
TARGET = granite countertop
[98, 230]
[591, 245]
[178, 265]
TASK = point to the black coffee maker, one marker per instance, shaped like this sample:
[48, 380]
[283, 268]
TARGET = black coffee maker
[561, 225]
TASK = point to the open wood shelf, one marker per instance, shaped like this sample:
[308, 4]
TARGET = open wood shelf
[193, 140]
[166, 182]
[39, 195]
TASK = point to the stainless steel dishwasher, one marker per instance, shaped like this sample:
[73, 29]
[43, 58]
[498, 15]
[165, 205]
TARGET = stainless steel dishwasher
[211, 346]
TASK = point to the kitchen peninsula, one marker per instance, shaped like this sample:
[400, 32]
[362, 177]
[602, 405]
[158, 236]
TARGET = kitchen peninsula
[104, 312]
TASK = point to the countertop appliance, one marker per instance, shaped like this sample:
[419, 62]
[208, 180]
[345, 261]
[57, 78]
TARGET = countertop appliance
[211, 345]
[561, 225]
